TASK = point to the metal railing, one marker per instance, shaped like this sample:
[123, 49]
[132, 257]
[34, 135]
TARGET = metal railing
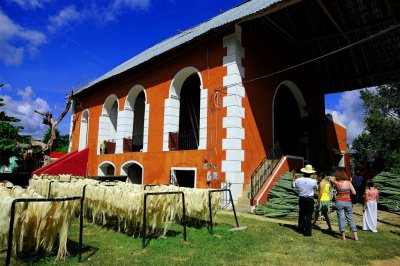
[264, 169]
[225, 200]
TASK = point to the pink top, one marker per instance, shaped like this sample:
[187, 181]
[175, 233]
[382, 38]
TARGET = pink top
[372, 194]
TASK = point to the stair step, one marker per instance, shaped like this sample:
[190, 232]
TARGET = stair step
[243, 201]
[243, 208]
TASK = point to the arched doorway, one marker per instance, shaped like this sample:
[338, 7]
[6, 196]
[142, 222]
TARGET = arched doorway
[189, 113]
[108, 122]
[290, 129]
[106, 168]
[185, 112]
[134, 172]
[138, 122]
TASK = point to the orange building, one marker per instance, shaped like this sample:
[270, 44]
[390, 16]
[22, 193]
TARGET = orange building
[215, 104]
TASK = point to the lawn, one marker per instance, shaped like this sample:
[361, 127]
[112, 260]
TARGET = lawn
[264, 242]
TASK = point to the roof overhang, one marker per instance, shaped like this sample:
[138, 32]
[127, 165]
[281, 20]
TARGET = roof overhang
[345, 44]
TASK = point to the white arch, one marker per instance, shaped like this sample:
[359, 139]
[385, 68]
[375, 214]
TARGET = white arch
[84, 129]
[172, 106]
[127, 116]
[126, 165]
[301, 103]
[132, 94]
[108, 121]
[180, 77]
[102, 169]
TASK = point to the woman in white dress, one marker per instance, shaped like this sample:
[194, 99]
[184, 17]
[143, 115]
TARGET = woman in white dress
[370, 206]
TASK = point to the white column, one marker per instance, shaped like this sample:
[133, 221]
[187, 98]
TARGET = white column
[125, 127]
[104, 130]
[232, 144]
[203, 119]
[171, 119]
[146, 127]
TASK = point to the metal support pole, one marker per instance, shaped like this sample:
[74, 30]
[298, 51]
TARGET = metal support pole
[48, 194]
[210, 209]
[10, 233]
[145, 212]
[81, 223]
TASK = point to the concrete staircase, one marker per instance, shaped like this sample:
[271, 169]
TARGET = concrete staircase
[243, 203]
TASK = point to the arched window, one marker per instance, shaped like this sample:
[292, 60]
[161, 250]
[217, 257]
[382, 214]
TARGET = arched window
[108, 125]
[83, 132]
[135, 116]
[185, 114]
[134, 171]
[106, 168]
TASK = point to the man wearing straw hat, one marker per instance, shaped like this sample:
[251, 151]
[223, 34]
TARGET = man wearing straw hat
[306, 186]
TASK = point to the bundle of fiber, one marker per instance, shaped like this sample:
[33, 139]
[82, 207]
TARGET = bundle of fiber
[37, 224]
[5, 208]
[6, 184]
[196, 201]
[41, 186]
[388, 185]
[64, 177]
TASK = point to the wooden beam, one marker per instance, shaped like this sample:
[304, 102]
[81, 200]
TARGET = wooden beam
[328, 14]
[391, 8]
[281, 31]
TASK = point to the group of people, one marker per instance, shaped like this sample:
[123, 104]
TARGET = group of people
[344, 207]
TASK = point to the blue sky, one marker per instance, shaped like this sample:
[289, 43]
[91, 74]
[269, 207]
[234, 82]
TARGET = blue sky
[48, 47]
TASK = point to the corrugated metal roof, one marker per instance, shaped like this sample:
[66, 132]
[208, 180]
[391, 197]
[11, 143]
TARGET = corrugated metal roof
[225, 18]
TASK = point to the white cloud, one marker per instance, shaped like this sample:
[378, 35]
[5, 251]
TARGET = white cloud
[23, 109]
[63, 18]
[15, 40]
[350, 111]
[102, 11]
[29, 4]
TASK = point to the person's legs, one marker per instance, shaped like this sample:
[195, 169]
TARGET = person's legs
[328, 222]
[348, 211]
[316, 216]
[341, 218]
[309, 209]
[300, 224]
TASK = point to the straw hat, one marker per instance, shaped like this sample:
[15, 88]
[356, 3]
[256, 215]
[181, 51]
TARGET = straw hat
[308, 169]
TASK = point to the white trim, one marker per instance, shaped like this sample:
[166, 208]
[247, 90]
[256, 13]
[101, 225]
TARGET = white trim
[271, 178]
[129, 163]
[276, 171]
[71, 126]
[83, 140]
[172, 106]
[187, 169]
[235, 113]
[101, 164]
[301, 103]
[106, 130]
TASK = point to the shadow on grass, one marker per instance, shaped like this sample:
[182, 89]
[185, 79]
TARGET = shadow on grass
[43, 256]
[324, 231]
[382, 221]
[150, 237]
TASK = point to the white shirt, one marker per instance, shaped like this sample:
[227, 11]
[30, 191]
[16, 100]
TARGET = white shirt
[306, 186]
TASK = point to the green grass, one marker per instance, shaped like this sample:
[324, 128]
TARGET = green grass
[262, 243]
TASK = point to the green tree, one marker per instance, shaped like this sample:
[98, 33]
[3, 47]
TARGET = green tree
[61, 142]
[381, 137]
[8, 131]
